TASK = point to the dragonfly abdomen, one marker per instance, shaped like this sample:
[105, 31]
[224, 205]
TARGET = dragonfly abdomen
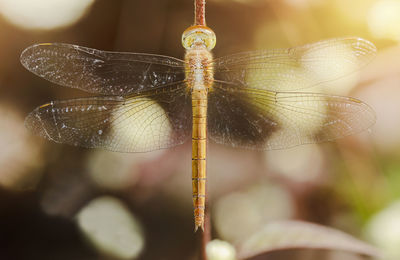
[199, 79]
[199, 149]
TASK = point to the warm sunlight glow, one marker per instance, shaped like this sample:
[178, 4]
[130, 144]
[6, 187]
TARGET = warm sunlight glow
[342, 64]
[384, 19]
[43, 14]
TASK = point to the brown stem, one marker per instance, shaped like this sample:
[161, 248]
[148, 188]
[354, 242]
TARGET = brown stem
[200, 12]
[206, 233]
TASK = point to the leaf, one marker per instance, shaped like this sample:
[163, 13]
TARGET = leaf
[283, 235]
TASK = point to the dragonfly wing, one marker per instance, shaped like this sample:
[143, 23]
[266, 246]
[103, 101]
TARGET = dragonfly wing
[295, 68]
[263, 120]
[101, 72]
[137, 123]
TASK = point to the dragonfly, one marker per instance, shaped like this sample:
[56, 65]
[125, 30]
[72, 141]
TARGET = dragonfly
[144, 102]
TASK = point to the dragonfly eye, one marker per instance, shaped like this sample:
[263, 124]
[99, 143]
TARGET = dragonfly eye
[198, 35]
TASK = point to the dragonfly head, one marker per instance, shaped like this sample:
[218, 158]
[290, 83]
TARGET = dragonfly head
[198, 36]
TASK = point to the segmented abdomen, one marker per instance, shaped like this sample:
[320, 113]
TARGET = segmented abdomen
[199, 78]
[199, 143]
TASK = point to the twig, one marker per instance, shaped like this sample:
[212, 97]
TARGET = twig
[200, 12]
[206, 233]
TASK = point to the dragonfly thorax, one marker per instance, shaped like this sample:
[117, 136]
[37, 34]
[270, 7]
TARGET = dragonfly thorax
[198, 36]
[199, 68]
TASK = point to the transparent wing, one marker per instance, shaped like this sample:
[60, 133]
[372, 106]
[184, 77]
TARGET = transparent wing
[263, 120]
[136, 123]
[101, 72]
[295, 68]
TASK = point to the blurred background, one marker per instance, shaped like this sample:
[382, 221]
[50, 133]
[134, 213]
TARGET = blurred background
[62, 202]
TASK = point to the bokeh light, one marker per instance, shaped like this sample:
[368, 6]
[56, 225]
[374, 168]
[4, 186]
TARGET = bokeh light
[383, 96]
[220, 250]
[306, 163]
[130, 128]
[341, 61]
[116, 171]
[252, 208]
[384, 228]
[20, 156]
[111, 228]
[384, 19]
[43, 14]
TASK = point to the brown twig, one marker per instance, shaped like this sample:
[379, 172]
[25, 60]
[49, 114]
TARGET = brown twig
[200, 12]
[206, 233]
